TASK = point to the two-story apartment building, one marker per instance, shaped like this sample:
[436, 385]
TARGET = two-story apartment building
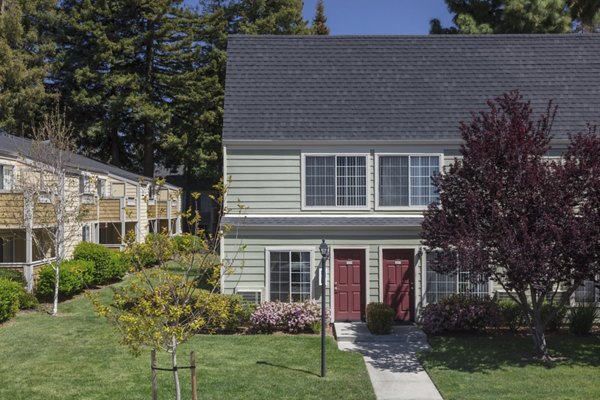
[110, 203]
[336, 138]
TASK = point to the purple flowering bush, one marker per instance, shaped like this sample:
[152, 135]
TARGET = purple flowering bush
[460, 312]
[274, 316]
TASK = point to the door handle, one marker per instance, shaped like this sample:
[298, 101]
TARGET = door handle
[335, 287]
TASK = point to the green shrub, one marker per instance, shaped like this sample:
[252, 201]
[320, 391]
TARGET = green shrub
[222, 313]
[119, 265]
[380, 318]
[75, 275]
[27, 301]
[13, 274]
[100, 256]
[187, 242]
[460, 312]
[558, 319]
[9, 298]
[512, 314]
[582, 317]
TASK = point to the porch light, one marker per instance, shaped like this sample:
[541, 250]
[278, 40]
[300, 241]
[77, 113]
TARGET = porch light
[324, 249]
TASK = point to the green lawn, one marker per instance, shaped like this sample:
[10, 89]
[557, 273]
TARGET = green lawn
[78, 356]
[503, 367]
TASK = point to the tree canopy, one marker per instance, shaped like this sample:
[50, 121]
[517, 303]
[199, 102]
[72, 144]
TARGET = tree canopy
[510, 214]
[520, 16]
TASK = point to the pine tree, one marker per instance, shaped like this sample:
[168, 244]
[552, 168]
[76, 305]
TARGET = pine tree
[124, 65]
[25, 49]
[586, 14]
[319, 25]
[506, 16]
[272, 17]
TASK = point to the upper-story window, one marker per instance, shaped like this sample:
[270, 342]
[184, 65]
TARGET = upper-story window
[7, 177]
[335, 181]
[86, 185]
[405, 180]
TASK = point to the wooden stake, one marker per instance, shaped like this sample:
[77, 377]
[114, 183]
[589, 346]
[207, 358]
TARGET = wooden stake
[153, 364]
[193, 369]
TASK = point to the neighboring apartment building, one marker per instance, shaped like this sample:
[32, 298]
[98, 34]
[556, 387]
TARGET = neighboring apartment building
[336, 138]
[116, 203]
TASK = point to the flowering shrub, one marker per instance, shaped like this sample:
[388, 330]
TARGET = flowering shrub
[460, 312]
[288, 317]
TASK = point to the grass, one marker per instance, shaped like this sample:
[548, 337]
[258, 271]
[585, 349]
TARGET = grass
[503, 366]
[77, 355]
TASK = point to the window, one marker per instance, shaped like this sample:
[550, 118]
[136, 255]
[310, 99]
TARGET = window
[85, 233]
[588, 292]
[6, 177]
[289, 273]
[336, 181]
[405, 181]
[85, 185]
[440, 285]
[102, 188]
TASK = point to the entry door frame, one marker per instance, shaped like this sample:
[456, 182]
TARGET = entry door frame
[332, 279]
[415, 250]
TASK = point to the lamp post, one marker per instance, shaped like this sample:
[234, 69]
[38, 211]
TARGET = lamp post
[324, 249]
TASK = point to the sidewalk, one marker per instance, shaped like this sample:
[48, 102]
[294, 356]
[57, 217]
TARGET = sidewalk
[391, 360]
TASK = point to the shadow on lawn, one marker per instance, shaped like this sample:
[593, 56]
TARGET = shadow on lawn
[478, 353]
[285, 367]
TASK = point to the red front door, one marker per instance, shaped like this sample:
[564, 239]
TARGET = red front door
[348, 274]
[398, 278]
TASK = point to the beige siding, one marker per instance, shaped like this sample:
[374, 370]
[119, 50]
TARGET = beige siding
[110, 210]
[11, 209]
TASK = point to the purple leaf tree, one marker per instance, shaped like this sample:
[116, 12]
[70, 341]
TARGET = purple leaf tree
[509, 213]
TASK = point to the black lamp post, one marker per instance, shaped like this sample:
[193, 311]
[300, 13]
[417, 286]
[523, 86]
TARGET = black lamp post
[324, 249]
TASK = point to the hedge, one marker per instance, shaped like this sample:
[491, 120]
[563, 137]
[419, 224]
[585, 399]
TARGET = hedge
[106, 267]
[10, 293]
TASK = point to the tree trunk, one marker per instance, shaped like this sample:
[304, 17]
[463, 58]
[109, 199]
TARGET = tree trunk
[148, 151]
[537, 333]
[115, 151]
[175, 372]
[56, 283]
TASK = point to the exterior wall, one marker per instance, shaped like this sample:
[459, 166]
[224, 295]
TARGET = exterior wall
[249, 267]
[110, 210]
[11, 209]
[269, 180]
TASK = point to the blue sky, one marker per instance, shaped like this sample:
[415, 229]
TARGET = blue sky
[380, 17]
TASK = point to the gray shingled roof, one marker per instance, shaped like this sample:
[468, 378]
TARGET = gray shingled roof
[323, 221]
[401, 87]
[17, 146]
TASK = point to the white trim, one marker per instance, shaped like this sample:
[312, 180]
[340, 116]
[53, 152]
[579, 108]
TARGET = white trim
[332, 249]
[376, 181]
[251, 289]
[303, 205]
[269, 249]
[225, 177]
[415, 250]
[222, 256]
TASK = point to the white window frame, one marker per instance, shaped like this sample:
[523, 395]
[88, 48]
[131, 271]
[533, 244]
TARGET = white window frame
[86, 188]
[456, 278]
[376, 182]
[368, 175]
[268, 250]
[11, 180]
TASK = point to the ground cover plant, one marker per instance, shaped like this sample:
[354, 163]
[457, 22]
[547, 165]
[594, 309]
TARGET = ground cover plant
[81, 358]
[506, 366]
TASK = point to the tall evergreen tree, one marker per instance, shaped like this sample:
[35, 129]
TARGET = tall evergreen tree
[272, 17]
[586, 14]
[124, 65]
[319, 25]
[195, 140]
[506, 16]
[25, 49]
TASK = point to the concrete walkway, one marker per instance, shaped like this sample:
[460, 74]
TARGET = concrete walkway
[391, 360]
